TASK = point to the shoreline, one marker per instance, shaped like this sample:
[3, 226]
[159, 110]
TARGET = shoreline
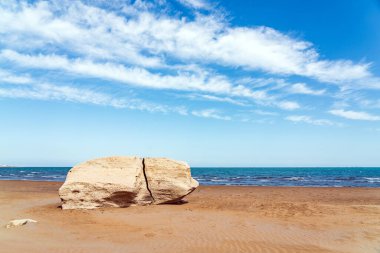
[324, 177]
[208, 185]
[214, 219]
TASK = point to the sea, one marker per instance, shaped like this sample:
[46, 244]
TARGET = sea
[276, 176]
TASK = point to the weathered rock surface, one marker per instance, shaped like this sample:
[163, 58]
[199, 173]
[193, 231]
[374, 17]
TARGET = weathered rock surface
[111, 181]
[168, 180]
[18, 223]
[125, 181]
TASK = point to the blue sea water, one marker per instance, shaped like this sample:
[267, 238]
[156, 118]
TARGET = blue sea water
[317, 177]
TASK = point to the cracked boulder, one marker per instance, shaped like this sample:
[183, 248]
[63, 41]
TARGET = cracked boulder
[125, 181]
[168, 180]
[111, 181]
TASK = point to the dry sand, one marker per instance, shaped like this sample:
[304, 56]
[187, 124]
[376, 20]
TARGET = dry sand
[215, 219]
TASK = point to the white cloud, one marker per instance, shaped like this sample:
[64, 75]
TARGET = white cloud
[288, 105]
[355, 115]
[6, 77]
[265, 113]
[47, 92]
[131, 75]
[186, 81]
[28, 88]
[210, 113]
[337, 71]
[147, 38]
[369, 103]
[65, 93]
[217, 99]
[301, 88]
[309, 120]
[196, 4]
[138, 45]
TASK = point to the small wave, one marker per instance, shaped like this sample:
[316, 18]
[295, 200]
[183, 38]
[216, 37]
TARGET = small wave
[295, 178]
[372, 179]
[345, 178]
[260, 177]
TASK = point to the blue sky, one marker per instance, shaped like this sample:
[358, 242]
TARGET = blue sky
[214, 83]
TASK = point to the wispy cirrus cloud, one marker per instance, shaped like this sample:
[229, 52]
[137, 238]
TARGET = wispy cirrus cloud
[355, 115]
[301, 88]
[63, 93]
[217, 99]
[18, 86]
[196, 4]
[6, 77]
[289, 105]
[186, 81]
[118, 72]
[137, 45]
[265, 113]
[208, 38]
[370, 103]
[309, 120]
[210, 113]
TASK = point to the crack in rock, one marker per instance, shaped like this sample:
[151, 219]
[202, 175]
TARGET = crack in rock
[146, 180]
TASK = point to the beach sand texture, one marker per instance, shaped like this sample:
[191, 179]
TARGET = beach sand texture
[215, 219]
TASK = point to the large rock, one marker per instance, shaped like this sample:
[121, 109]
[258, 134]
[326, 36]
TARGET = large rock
[168, 180]
[111, 181]
[125, 181]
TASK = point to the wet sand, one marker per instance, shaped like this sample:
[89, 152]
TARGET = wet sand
[215, 219]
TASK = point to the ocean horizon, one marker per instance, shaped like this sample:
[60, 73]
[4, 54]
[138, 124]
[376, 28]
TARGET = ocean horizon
[236, 176]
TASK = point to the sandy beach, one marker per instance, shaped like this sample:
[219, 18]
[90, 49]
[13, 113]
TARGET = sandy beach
[214, 219]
